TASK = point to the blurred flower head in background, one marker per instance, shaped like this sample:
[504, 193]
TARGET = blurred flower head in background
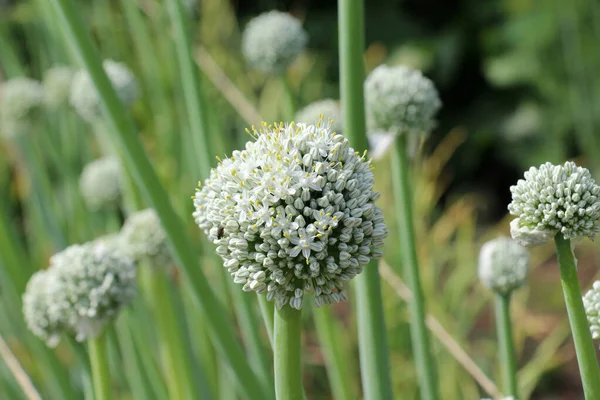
[272, 41]
[553, 199]
[84, 97]
[57, 85]
[100, 183]
[591, 302]
[20, 102]
[292, 213]
[329, 109]
[143, 237]
[503, 265]
[399, 100]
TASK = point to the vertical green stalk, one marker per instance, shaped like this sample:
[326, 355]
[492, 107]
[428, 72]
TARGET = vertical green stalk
[267, 310]
[505, 342]
[288, 363]
[372, 338]
[584, 346]
[145, 176]
[418, 331]
[100, 371]
[289, 104]
[336, 360]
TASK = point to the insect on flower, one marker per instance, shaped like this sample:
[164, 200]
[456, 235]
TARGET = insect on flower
[220, 232]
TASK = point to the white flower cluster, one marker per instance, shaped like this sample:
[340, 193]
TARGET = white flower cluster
[84, 288]
[503, 265]
[292, 213]
[591, 302]
[42, 307]
[100, 183]
[552, 199]
[84, 96]
[272, 41]
[57, 85]
[20, 100]
[400, 100]
[328, 109]
[142, 237]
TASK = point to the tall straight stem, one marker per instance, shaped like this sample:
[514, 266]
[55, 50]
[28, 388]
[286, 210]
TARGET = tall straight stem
[418, 330]
[584, 346]
[372, 338]
[508, 363]
[100, 370]
[267, 310]
[288, 363]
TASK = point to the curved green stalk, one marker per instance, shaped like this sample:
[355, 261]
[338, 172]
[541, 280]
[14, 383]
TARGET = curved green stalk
[288, 363]
[372, 338]
[584, 346]
[505, 343]
[100, 370]
[418, 330]
[137, 162]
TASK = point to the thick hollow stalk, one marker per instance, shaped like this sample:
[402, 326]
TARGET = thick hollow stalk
[267, 310]
[508, 363]
[584, 346]
[336, 360]
[145, 176]
[100, 370]
[418, 330]
[372, 338]
[288, 363]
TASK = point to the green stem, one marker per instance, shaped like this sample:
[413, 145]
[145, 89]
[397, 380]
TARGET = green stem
[418, 331]
[145, 176]
[505, 342]
[372, 338]
[267, 310]
[336, 360]
[287, 349]
[584, 346]
[100, 370]
[290, 98]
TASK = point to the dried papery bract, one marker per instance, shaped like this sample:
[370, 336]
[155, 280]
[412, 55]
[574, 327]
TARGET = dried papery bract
[20, 102]
[272, 41]
[297, 212]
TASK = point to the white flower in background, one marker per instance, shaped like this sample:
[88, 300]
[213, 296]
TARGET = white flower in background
[20, 102]
[57, 85]
[84, 96]
[292, 213]
[96, 283]
[272, 41]
[399, 100]
[43, 308]
[100, 183]
[591, 303]
[143, 237]
[328, 108]
[503, 265]
[552, 199]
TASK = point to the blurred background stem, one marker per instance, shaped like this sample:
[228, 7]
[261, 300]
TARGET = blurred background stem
[100, 370]
[508, 364]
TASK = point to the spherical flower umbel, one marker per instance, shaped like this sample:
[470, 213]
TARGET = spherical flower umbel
[96, 283]
[143, 237]
[292, 213]
[328, 109]
[503, 265]
[591, 303]
[20, 101]
[272, 41]
[553, 199]
[100, 183]
[57, 85]
[43, 307]
[84, 96]
[400, 100]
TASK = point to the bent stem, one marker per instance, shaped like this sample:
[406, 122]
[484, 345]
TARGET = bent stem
[505, 343]
[100, 370]
[372, 340]
[584, 346]
[418, 331]
[288, 364]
